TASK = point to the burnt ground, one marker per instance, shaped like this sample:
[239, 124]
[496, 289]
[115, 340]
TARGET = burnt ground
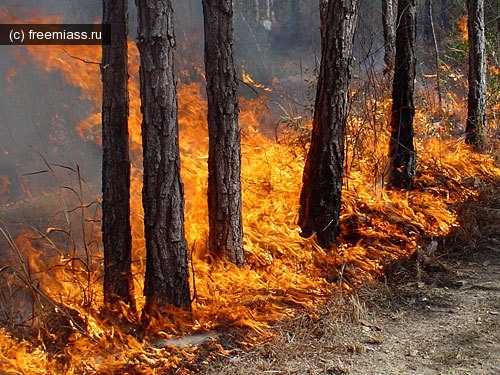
[436, 314]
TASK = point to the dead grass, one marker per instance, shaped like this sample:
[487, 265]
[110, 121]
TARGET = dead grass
[417, 292]
[307, 344]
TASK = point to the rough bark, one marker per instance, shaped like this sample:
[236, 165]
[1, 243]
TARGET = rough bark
[323, 16]
[320, 198]
[166, 279]
[389, 26]
[476, 100]
[116, 231]
[401, 167]
[224, 155]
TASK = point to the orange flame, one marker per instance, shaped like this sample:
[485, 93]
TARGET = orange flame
[462, 27]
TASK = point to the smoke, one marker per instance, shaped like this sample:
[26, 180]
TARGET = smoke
[40, 110]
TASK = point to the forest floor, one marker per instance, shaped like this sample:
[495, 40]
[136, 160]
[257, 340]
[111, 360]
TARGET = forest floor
[436, 314]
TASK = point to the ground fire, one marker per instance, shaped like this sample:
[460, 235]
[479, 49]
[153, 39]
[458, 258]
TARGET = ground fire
[51, 271]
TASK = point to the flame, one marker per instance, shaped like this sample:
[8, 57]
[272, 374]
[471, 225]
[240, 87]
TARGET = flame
[284, 272]
[246, 78]
[462, 27]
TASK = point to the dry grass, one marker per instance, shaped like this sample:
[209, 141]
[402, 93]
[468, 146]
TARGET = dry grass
[327, 342]
[307, 344]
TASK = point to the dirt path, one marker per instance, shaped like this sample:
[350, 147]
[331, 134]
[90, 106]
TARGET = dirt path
[448, 326]
[445, 321]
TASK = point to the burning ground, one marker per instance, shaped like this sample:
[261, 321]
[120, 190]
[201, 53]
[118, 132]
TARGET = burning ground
[437, 313]
[51, 269]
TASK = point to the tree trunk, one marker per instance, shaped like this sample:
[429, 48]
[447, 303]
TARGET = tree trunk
[166, 279]
[116, 232]
[444, 15]
[401, 167]
[294, 18]
[320, 198]
[224, 155]
[427, 21]
[476, 100]
[389, 27]
[323, 16]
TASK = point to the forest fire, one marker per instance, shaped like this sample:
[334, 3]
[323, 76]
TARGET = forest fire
[54, 273]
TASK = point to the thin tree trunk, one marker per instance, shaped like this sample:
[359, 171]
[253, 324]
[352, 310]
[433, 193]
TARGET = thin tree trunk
[323, 15]
[389, 26]
[166, 280]
[436, 56]
[224, 155]
[294, 18]
[320, 198]
[401, 167]
[476, 114]
[444, 15]
[116, 231]
[427, 31]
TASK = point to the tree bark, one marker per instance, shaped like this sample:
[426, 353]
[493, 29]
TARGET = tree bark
[389, 27]
[427, 20]
[401, 167]
[476, 100]
[323, 16]
[116, 231]
[224, 155]
[166, 280]
[320, 198]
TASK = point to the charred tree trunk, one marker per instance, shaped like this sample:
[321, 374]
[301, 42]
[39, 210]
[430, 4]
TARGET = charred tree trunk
[320, 198]
[401, 167]
[116, 231]
[389, 27]
[476, 100]
[166, 279]
[224, 154]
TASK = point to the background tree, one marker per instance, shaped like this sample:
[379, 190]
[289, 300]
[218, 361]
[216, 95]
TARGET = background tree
[476, 100]
[401, 167]
[224, 154]
[389, 27]
[294, 18]
[166, 280]
[116, 232]
[320, 198]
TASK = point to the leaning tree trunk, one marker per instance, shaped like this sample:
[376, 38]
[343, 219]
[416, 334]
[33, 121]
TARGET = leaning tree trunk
[401, 167]
[224, 154]
[166, 279]
[320, 198]
[476, 114]
[116, 232]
